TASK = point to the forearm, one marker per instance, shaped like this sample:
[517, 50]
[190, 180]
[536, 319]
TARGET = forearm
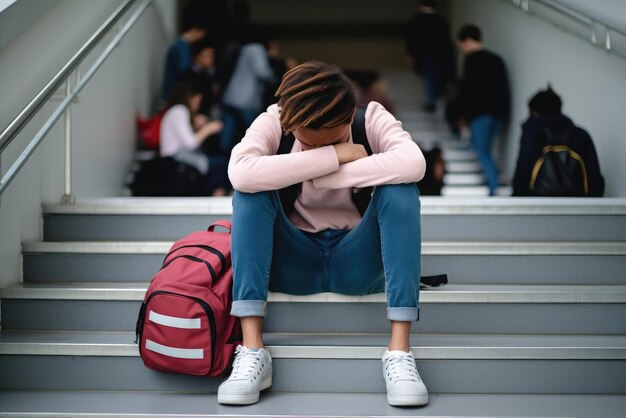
[388, 168]
[251, 173]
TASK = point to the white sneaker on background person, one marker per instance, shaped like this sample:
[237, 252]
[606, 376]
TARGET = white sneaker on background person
[252, 373]
[404, 385]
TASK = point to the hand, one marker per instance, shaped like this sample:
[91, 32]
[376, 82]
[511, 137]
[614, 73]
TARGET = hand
[349, 152]
[209, 128]
[199, 121]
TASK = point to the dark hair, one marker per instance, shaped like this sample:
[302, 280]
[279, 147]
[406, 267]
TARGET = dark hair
[315, 95]
[545, 102]
[182, 94]
[201, 45]
[469, 31]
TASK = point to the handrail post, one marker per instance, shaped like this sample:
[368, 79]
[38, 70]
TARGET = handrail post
[607, 42]
[67, 198]
[594, 33]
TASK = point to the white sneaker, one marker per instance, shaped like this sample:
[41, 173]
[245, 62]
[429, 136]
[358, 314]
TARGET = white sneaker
[252, 373]
[404, 385]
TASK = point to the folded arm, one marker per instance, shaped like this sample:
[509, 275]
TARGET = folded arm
[396, 159]
[254, 167]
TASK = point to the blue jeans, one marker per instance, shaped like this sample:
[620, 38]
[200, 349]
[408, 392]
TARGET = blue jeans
[431, 76]
[381, 254]
[484, 129]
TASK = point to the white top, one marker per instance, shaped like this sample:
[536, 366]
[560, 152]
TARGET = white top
[176, 132]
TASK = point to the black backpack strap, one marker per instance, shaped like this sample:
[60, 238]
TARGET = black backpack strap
[433, 281]
[286, 143]
[361, 198]
[359, 135]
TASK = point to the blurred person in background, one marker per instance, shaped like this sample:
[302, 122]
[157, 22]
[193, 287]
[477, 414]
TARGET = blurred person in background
[484, 98]
[200, 73]
[546, 125]
[243, 93]
[430, 51]
[182, 142]
[370, 86]
[178, 58]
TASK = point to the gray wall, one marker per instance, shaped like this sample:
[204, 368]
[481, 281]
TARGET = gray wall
[102, 122]
[591, 82]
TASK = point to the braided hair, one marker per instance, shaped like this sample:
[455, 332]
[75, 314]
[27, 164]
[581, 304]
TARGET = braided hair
[315, 95]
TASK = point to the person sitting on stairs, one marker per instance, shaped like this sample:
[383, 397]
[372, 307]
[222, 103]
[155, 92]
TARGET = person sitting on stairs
[299, 229]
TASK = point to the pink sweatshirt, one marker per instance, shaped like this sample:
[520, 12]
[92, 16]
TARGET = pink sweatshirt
[325, 201]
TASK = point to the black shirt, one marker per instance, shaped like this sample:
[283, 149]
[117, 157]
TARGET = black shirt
[485, 86]
[428, 36]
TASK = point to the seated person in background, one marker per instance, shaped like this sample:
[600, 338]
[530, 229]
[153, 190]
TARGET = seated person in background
[179, 141]
[548, 126]
[199, 74]
[178, 58]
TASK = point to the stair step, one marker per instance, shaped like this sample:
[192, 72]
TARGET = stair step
[430, 205]
[474, 191]
[454, 167]
[493, 219]
[459, 155]
[463, 179]
[463, 261]
[530, 309]
[118, 404]
[428, 248]
[450, 293]
[354, 362]
[339, 346]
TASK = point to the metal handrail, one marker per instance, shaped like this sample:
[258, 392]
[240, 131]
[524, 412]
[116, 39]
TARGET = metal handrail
[591, 24]
[17, 124]
[39, 100]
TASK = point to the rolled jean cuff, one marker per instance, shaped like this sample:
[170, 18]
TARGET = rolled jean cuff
[403, 314]
[243, 308]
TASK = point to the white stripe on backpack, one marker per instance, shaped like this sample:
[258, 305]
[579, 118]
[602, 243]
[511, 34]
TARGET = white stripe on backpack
[172, 321]
[188, 353]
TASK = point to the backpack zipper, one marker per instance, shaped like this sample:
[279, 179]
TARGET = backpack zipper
[197, 260]
[204, 247]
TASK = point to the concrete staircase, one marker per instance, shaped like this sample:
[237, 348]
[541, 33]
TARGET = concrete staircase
[464, 176]
[532, 323]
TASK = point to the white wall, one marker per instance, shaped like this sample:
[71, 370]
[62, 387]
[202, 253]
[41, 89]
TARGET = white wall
[102, 122]
[591, 82]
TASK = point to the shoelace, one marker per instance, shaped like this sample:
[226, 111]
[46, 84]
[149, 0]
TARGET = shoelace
[247, 365]
[401, 367]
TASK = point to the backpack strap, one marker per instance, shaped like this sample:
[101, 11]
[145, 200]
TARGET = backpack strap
[223, 223]
[361, 199]
[433, 281]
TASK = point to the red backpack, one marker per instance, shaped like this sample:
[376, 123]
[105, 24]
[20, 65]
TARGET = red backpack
[184, 323]
[150, 130]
